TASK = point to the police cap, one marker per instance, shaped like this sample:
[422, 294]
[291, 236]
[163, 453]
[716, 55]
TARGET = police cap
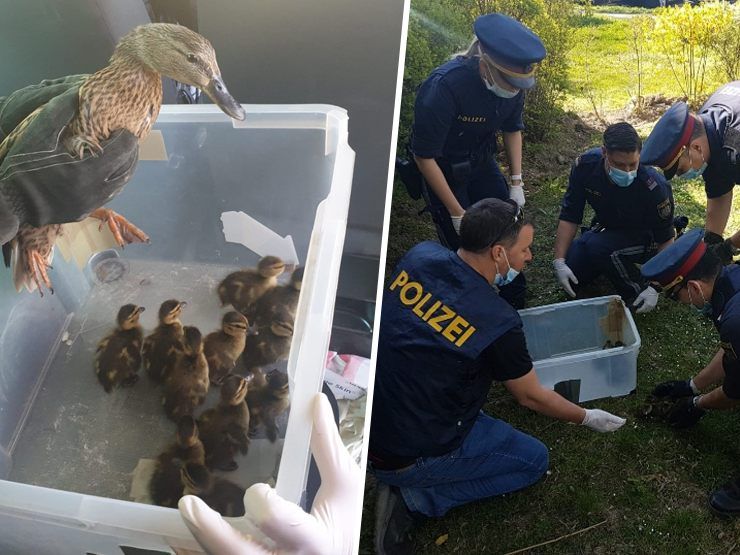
[510, 47]
[670, 135]
[671, 265]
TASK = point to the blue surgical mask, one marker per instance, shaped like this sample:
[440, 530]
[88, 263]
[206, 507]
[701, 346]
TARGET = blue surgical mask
[496, 89]
[622, 178]
[499, 280]
[693, 173]
[705, 309]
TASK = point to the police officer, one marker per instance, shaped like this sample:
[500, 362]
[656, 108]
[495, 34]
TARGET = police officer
[458, 111]
[634, 218]
[692, 274]
[707, 143]
[445, 335]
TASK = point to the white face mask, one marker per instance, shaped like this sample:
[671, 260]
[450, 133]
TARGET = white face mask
[495, 88]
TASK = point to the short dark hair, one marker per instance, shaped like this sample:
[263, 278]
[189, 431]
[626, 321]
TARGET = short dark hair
[698, 130]
[488, 222]
[707, 269]
[622, 137]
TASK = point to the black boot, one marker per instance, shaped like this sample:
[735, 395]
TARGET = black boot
[393, 522]
[726, 500]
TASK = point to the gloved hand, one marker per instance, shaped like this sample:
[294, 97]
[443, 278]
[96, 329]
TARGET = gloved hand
[685, 413]
[676, 389]
[646, 301]
[456, 222]
[331, 528]
[602, 421]
[41, 183]
[516, 193]
[565, 276]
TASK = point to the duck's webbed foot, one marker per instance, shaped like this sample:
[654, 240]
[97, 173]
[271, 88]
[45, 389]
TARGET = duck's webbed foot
[36, 265]
[123, 231]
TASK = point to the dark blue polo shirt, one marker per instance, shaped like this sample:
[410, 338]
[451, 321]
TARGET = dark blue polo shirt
[721, 117]
[457, 117]
[647, 204]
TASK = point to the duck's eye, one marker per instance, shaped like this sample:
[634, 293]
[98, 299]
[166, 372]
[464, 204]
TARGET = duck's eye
[192, 58]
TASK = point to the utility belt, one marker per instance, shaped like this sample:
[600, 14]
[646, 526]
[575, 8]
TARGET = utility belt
[647, 238]
[388, 462]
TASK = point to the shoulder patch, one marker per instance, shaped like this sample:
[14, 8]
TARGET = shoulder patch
[664, 209]
[650, 183]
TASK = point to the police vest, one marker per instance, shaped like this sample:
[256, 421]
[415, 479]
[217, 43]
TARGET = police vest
[726, 288]
[438, 315]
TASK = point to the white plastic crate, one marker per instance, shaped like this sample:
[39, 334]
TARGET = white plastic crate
[287, 167]
[566, 342]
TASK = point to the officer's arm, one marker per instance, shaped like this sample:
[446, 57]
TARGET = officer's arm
[712, 373]
[718, 212]
[436, 180]
[513, 147]
[564, 237]
[717, 399]
[528, 392]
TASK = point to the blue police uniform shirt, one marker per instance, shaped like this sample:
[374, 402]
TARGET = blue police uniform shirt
[439, 320]
[457, 117]
[726, 317]
[721, 117]
[647, 204]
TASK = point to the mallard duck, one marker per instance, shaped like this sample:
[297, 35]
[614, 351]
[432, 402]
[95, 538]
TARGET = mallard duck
[225, 428]
[241, 289]
[162, 346]
[218, 493]
[186, 385]
[268, 402]
[282, 297]
[271, 343]
[118, 357]
[224, 347]
[126, 94]
[166, 486]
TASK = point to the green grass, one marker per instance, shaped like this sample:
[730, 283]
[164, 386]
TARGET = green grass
[614, 8]
[648, 482]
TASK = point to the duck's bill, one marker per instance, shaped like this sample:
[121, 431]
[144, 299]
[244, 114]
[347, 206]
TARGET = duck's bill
[217, 92]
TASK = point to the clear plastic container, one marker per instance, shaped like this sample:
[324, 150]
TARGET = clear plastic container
[67, 449]
[571, 353]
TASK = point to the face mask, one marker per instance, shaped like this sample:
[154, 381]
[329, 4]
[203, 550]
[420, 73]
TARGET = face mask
[495, 89]
[693, 173]
[622, 178]
[705, 309]
[508, 278]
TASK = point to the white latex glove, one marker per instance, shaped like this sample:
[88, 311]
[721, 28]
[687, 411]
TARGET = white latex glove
[516, 193]
[646, 301]
[602, 421]
[456, 222]
[565, 275]
[332, 526]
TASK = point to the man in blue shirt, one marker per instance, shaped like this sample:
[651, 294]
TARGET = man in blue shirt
[704, 144]
[634, 219]
[445, 336]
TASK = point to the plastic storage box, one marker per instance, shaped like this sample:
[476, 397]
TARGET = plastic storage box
[572, 352]
[67, 449]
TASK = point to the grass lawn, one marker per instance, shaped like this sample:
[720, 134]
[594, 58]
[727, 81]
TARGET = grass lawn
[645, 486]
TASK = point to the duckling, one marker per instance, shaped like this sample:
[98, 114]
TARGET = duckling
[163, 344]
[218, 493]
[224, 347]
[225, 428]
[282, 297]
[272, 342]
[118, 356]
[126, 95]
[187, 384]
[268, 402]
[166, 486]
[241, 289]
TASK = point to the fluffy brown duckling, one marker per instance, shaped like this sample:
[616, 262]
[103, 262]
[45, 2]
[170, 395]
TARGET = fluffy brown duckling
[118, 356]
[124, 95]
[187, 384]
[165, 342]
[280, 298]
[225, 428]
[218, 493]
[271, 343]
[241, 289]
[166, 486]
[224, 347]
[268, 401]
